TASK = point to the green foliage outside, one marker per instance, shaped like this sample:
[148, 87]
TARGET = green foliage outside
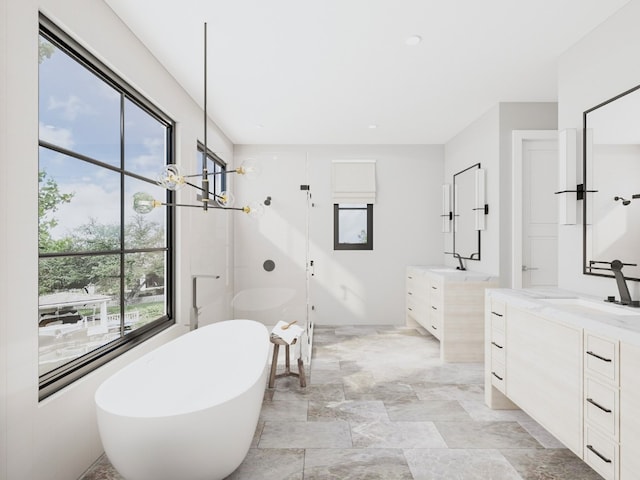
[75, 272]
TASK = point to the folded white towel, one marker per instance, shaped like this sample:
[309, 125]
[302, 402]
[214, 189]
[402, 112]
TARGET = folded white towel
[290, 334]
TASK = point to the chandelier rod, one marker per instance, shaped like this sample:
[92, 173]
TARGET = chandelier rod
[205, 173]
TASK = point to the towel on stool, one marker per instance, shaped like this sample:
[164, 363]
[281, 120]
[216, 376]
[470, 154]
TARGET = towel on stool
[289, 335]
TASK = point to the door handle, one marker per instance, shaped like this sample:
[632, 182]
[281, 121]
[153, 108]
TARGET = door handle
[526, 269]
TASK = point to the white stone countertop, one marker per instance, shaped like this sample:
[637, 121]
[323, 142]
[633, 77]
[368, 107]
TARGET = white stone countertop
[584, 311]
[454, 275]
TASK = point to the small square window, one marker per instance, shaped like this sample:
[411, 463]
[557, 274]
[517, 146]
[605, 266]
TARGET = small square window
[353, 226]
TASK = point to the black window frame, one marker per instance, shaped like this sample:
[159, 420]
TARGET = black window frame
[218, 163]
[64, 375]
[337, 245]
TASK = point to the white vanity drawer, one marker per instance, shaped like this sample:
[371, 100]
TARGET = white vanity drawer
[498, 375]
[498, 315]
[601, 357]
[601, 453]
[601, 407]
[498, 307]
[435, 322]
[497, 346]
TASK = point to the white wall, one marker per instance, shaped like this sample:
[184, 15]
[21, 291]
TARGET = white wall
[349, 287]
[57, 439]
[488, 141]
[597, 68]
[479, 143]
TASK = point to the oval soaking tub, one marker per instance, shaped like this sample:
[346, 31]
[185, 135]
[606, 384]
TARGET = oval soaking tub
[187, 410]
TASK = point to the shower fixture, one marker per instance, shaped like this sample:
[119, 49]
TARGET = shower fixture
[625, 202]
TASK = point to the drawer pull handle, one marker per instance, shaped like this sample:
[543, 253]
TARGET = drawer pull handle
[608, 360]
[434, 288]
[410, 277]
[434, 327]
[602, 457]
[410, 293]
[604, 409]
[434, 307]
[497, 314]
[497, 376]
[496, 345]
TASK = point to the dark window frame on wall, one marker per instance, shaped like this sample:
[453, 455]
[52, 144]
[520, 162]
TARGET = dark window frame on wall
[129, 337]
[219, 180]
[368, 244]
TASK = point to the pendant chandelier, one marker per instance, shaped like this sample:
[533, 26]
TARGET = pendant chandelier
[171, 178]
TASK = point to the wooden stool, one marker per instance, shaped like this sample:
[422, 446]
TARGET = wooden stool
[277, 341]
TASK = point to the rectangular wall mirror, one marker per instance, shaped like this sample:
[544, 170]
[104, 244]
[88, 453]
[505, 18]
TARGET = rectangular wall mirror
[466, 239]
[611, 166]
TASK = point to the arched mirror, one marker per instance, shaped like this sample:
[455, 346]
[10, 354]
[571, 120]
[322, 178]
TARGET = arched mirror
[611, 226]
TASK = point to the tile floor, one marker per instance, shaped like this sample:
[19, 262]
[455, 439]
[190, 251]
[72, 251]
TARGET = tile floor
[380, 405]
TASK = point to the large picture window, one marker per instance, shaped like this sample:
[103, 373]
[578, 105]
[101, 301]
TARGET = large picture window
[105, 272]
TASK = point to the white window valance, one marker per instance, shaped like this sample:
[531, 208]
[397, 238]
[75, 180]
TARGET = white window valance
[353, 181]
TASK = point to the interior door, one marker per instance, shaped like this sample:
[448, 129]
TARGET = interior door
[539, 213]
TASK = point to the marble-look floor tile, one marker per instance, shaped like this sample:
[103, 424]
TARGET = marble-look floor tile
[326, 392]
[445, 391]
[543, 437]
[387, 392]
[325, 364]
[549, 464]
[284, 410]
[459, 464]
[355, 464]
[270, 464]
[356, 330]
[486, 435]
[322, 377]
[350, 410]
[396, 435]
[455, 373]
[479, 411]
[334, 434]
[102, 470]
[426, 411]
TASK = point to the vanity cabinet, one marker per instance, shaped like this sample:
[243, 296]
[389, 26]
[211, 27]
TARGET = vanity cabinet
[629, 411]
[574, 369]
[601, 404]
[544, 373]
[449, 304]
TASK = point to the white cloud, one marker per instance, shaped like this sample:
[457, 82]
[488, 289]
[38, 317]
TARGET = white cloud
[71, 107]
[89, 201]
[62, 137]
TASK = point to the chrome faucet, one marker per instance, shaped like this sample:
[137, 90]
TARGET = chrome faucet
[625, 296]
[461, 267]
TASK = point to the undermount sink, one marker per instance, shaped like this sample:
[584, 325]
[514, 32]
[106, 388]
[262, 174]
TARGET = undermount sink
[579, 305]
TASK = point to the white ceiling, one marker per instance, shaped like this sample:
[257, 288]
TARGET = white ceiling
[322, 71]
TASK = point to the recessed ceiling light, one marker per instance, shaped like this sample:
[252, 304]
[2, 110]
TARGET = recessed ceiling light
[413, 40]
[373, 126]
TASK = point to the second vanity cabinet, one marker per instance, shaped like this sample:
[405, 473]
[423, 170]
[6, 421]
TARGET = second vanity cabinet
[449, 304]
[572, 372]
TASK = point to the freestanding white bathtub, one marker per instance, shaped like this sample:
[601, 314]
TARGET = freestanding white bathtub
[189, 409]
